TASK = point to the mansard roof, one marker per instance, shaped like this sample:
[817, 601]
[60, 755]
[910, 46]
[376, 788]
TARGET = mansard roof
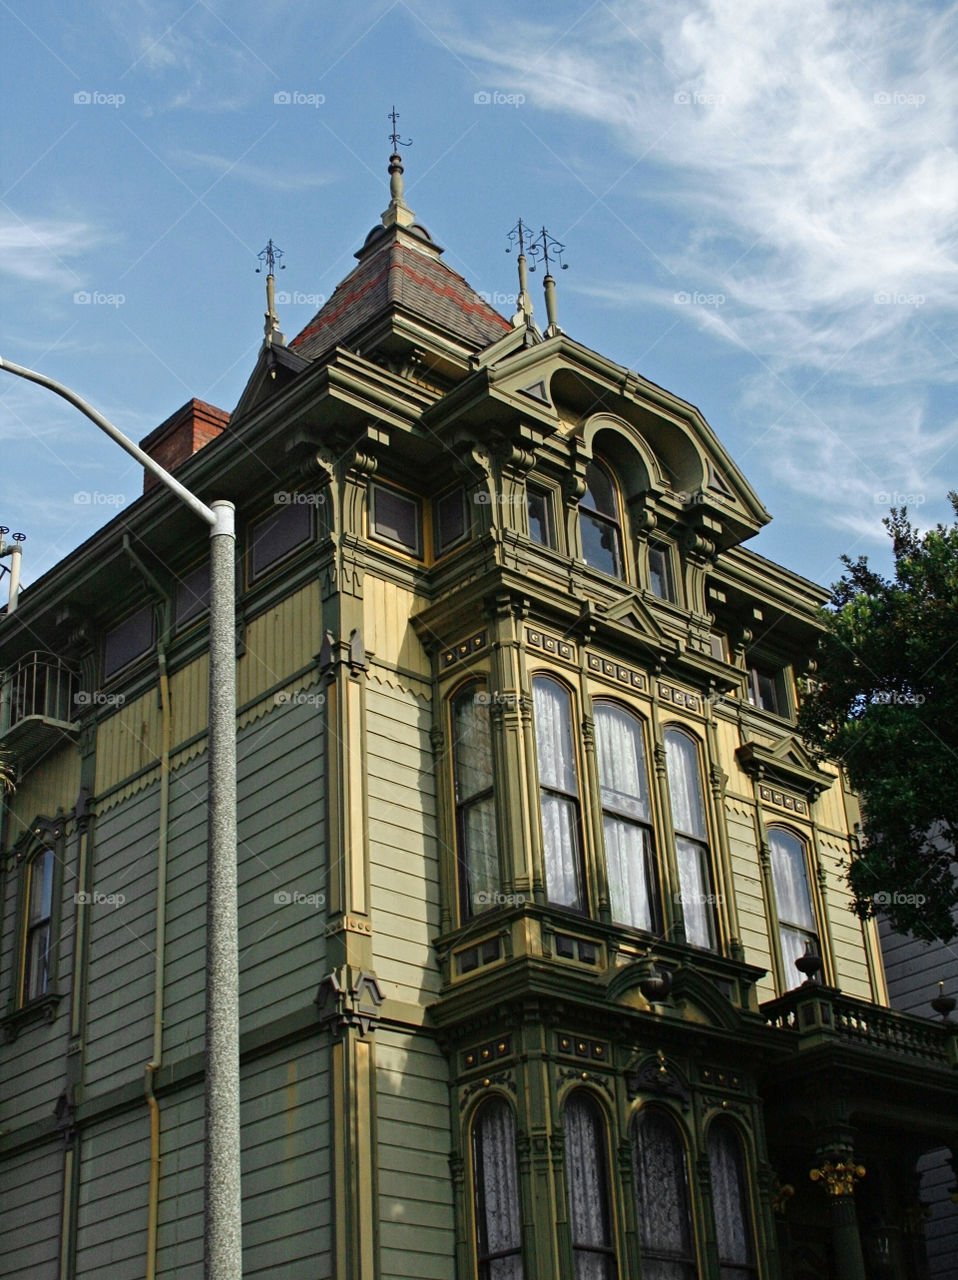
[399, 272]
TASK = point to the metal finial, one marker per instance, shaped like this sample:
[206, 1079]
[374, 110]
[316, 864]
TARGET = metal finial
[271, 256]
[394, 137]
[546, 248]
[518, 237]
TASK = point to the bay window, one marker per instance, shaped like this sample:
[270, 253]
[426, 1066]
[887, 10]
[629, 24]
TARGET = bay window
[476, 841]
[626, 816]
[733, 1228]
[496, 1187]
[660, 1170]
[558, 794]
[587, 1179]
[691, 837]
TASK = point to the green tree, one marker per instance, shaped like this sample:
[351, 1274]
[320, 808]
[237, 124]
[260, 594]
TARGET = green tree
[7, 773]
[884, 704]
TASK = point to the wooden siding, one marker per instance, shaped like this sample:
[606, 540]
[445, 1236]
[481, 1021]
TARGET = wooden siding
[851, 966]
[180, 1226]
[51, 786]
[31, 1190]
[112, 1208]
[403, 866]
[749, 894]
[119, 1021]
[388, 632]
[415, 1190]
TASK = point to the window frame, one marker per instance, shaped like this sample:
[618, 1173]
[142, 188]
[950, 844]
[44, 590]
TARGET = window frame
[480, 1215]
[255, 576]
[703, 843]
[645, 825]
[781, 924]
[548, 510]
[385, 540]
[440, 549]
[656, 547]
[758, 668]
[116, 672]
[32, 927]
[607, 1182]
[464, 893]
[647, 1253]
[574, 799]
[604, 519]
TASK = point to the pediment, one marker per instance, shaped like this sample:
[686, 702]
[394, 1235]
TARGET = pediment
[275, 367]
[788, 763]
[634, 613]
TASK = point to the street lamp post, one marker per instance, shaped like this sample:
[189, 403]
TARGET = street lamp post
[223, 1255]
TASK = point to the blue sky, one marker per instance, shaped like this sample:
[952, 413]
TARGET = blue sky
[757, 202]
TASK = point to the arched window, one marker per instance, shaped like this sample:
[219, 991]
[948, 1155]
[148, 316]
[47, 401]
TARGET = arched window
[587, 1179]
[496, 1184]
[626, 816]
[38, 935]
[793, 901]
[662, 1197]
[733, 1226]
[600, 524]
[476, 843]
[691, 837]
[558, 793]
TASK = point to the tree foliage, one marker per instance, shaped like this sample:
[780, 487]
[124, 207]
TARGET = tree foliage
[7, 773]
[884, 704]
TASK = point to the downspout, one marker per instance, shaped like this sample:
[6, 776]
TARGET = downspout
[162, 845]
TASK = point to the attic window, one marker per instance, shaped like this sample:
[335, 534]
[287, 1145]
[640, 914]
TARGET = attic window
[276, 535]
[661, 579]
[766, 687]
[395, 518]
[451, 523]
[129, 641]
[192, 595]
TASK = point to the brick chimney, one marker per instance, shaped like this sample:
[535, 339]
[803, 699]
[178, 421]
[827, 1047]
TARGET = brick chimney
[181, 435]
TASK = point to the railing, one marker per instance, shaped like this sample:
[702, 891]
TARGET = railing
[39, 685]
[815, 1011]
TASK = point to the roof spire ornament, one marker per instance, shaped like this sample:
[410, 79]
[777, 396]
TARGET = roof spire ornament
[518, 236]
[398, 214]
[543, 249]
[270, 256]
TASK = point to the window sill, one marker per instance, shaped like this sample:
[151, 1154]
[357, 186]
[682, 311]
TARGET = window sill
[43, 1009]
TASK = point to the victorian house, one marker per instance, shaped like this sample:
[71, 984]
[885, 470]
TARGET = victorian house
[547, 963]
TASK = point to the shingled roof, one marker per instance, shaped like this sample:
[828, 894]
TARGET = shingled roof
[399, 270]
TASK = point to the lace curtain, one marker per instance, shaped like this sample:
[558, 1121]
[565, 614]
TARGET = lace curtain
[472, 755]
[557, 774]
[733, 1232]
[497, 1193]
[625, 801]
[662, 1198]
[793, 900]
[586, 1178]
[688, 817]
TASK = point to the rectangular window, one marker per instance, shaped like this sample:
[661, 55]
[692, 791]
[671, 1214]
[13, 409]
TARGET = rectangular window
[192, 595]
[661, 582]
[766, 688]
[278, 534]
[39, 910]
[452, 526]
[541, 524]
[558, 794]
[130, 640]
[395, 518]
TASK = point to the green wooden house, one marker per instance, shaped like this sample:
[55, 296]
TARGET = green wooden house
[528, 846]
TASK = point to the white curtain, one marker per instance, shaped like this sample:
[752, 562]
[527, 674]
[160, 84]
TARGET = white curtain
[696, 892]
[791, 879]
[733, 1231]
[557, 773]
[662, 1198]
[472, 755]
[497, 1193]
[685, 785]
[586, 1178]
[623, 782]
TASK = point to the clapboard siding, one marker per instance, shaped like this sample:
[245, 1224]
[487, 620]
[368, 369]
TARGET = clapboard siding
[112, 1208]
[31, 1194]
[180, 1225]
[415, 1192]
[749, 894]
[403, 867]
[119, 1027]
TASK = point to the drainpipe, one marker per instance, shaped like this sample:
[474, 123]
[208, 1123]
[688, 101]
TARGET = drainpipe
[162, 845]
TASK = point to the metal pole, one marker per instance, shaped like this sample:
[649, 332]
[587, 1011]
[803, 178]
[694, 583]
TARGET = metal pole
[223, 1253]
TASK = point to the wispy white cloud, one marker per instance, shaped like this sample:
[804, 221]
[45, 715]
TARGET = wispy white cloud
[254, 174]
[40, 249]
